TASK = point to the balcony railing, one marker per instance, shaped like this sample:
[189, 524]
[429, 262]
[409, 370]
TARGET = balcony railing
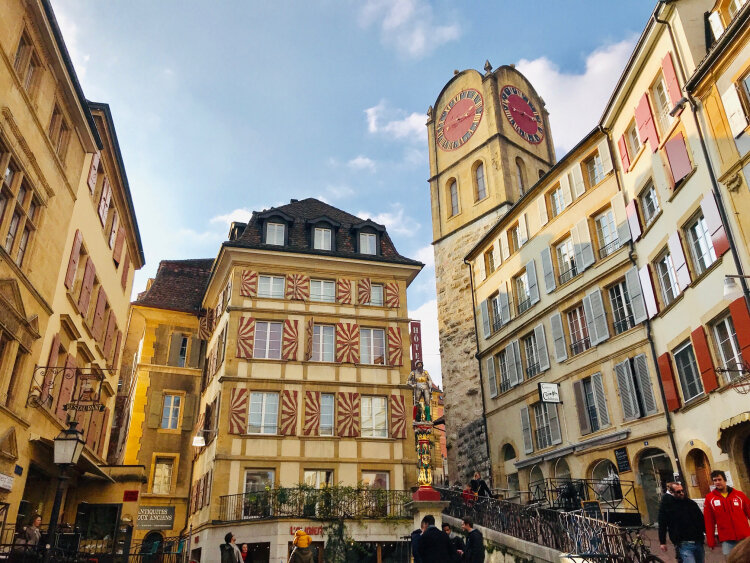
[566, 494]
[524, 305]
[580, 346]
[532, 370]
[625, 322]
[323, 504]
[497, 324]
[609, 248]
[567, 275]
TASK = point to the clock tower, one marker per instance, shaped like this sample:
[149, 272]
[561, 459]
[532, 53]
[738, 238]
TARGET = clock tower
[489, 142]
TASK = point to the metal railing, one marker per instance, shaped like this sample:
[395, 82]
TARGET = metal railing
[524, 305]
[626, 322]
[497, 323]
[323, 504]
[533, 370]
[580, 346]
[567, 275]
[609, 248]
[567, 494]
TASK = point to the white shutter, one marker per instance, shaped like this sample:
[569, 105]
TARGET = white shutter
[541, 346]
[566, 189]
[533, 285]
[600, 399]
[496, 253]
[621, 217]
[528, 443]
[510, 363]
[481, 273]
[548, 270]
[628, 399]
[558, 336]
[590, 324]
[717, 27]
[485, 314]
[554, 423]
[584, 240]
[578, 186]
[504, 245]
[542, 204]
[600, 315]
[517, 359]
[504, 306]
[523, 231]
[491, 378]
[606, 158]
[734, 111]
[635, 293]
[644, 383]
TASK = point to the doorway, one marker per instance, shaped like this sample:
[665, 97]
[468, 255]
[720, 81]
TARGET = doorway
[655, 471]
[701, 470]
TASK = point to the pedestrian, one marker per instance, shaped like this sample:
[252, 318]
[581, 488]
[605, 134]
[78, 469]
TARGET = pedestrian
[474, 552]
[456, 541]
[434, 545]
[302, 552]
[479, 486]
[741, 552]
[726, 510]
[32, 533]
[415, 535]
[683, 519]
[230, 553]
[245, 553]
[468, 496]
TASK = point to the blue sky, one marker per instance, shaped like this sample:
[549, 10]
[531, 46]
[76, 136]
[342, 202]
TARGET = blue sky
[222, 108]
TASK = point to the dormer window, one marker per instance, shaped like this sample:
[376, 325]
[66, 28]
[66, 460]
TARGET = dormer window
[322, 238]
[275, 233]
[368, 243]
[368, 234]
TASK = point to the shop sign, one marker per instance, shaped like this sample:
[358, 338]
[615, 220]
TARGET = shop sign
[549, 392]
[130, 496]
[415, 328]
[309, 530]
[155, 518]
[623, 462]
[6, 481]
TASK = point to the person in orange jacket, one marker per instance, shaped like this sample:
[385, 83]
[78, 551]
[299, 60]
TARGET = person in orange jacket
[727, 510]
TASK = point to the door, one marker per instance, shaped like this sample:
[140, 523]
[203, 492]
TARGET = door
[702, 471]
[655, 471]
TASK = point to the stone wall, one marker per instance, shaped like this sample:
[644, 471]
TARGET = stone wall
[471, 455]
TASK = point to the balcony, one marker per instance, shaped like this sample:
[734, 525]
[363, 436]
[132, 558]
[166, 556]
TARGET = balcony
[622, 322]
[533, 370]
[580, 346]
[524, 305]
[305, 502]
[609, 248]
[567, 275]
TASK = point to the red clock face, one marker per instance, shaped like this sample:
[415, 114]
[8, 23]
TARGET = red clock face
[522, 114]
[459, 119]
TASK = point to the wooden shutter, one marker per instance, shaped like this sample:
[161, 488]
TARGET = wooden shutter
[344, 293]
[348, 413]
[567, 189]
[645, 121]
[109, 335]
[504, 300]
[677, 155]
[481, 270]
[67, 384]
[248, 283]
[637, 304]
[504, 246]
[736, 117]
[104, 433]
[600, 317]
[288, 414]
[628, 399]
[119, 242]
[93, 172]
[347, 343]
[741, 321]
[605, 156]
[600, 399]
[523, 230]
[309, 333]
[245, 338]
[583, 413]
[541, 346]
[717, 27]
[93, 431]
[104, 201]
[289, 340]
[542, 205]
[195, 352]
[491, 376]
[125, 271]
[678, 261]
[622, 144]
[97, 326]
[648, 292]
[113, 229]
[516, 348]
[398, 417]
[155, 410]
[391, 295]
[238, 403]
[395, 347]
[715, 224]
[484, 313]
[558, 336]
[668, 382]
[49, 377]
[75, 255]
[533, 285]
[496, 257]
[631, 210]
[364, 291]
[554, 423]
[621, 217]
[703, 357]
[510, 364]
[548, 270]
[670, 77]
[590, 320]
[298, 287]
[644, 383]
[311, 426]
[578, 186]
[584, 240]
[175, 342]
[116, 355]
[188, 412]
[528, 443]
[84, 299]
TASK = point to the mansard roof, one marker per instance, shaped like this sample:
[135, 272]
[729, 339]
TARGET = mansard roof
[179, 285]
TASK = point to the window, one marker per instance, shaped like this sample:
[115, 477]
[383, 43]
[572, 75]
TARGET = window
[59, 132]
[368, 243]
[726, 339]
[667, 279]
[579, 332]
[372, 344]
[275, 233]
[481, 187]
[606, 230]
[324, 337]
[496, 312]
[661, 104]
[544, 424]
[375, 479]
[267, 340]
[373, 417]
[701, 247]
[326, 414]
[3, 204]
[687, 369]
[453, 195]
[514, 238]
[520, 176]
[271, 286]
[523, 294]
[256, 481]
[323, 290]
[622, 312]
[636, 391]
[318, 478]
[12, 230]
[649, 203]
[489, 262]
[594, 170]
[734, 7]
[532, 356]
[182, 355]
[631, 137]
[594, 403]
[556, 201]
[322, 239]
[566, 260]
[376, 295]
[264, 410]
[27, 64]
[502, 365]
[22, 245]
[170, 414]
[162, 483]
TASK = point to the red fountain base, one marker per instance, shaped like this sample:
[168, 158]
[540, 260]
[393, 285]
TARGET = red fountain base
[426, 492]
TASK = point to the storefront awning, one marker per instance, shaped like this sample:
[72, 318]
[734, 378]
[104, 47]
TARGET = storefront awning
[85, 463]
[726, 425]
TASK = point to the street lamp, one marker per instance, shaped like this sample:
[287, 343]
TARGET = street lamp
[732, 289]
[67, 449]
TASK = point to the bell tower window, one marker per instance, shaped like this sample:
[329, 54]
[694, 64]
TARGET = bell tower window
[453, 194]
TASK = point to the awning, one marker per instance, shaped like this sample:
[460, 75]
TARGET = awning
[730, 423]
[85, 463]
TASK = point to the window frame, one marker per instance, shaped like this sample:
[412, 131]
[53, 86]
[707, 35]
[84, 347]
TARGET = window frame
[174, 460]
[263, 414]
[531, 353]
[453, 200]
[556, 201]
[480, 182]
[621, 307]
[648, 195]
[28, 65]
[377, 302]
[268, 340]
[609, 242]
[695, 239]
[594, 169]
[731, 338]
[665, 268]
[632, 140]
[331, 284]
[320, 331]
[324, 415]
[319, 242]
[587, 388]
[542, 427]
[687, 349]
[580, 339]
[365, 248]
[372, 343]
[272, 278]
[275, 224]
[172, 418]
[522, 292]
[566, 261]
[661, 104]
[364, 429]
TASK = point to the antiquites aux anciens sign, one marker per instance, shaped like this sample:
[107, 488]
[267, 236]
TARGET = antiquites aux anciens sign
[155, 518]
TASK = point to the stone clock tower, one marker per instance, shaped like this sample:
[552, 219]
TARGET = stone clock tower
[489, 142]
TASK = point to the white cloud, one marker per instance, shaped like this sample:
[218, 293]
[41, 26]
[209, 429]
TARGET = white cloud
[575, 101]
[396, 123]
[361, 163]
[427, 313]
[395, 221]
[70, 33]
[409, 26]
[240, 214]
[426, 255]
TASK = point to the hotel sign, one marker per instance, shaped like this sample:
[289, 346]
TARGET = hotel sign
[415, 329]
[155, 518]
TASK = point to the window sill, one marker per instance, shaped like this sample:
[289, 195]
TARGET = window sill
[636, 158]
[650, 224]
[666, 135]
[694, 402]
[678, 186]
[169, 431]
[666, 309]
[705, 272]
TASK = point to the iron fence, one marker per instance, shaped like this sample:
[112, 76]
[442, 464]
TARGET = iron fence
[568, 274]
[568, 494]
[580, 346]
[608, 249]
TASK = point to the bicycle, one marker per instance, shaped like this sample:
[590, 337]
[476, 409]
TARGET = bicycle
[637, 549]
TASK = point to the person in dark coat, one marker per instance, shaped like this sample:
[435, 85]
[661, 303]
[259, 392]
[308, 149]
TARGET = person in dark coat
[434, 545]
[230, 553]
[683, 519]
[415, 535]
[479, 486]
[456, 540]
[474, 552]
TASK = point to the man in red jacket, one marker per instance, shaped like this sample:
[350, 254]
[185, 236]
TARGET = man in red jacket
[728, 510]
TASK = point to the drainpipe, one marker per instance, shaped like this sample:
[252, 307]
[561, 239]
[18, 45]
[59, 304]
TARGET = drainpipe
[714, 183]
[479, 364]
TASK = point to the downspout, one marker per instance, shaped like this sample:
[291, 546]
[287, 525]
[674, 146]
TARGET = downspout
[714, 183]
[479, 364]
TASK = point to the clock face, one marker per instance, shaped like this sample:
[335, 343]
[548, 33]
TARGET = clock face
[522, 114]
[459, 119]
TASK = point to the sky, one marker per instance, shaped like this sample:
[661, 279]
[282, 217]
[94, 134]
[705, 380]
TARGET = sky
[222, 108]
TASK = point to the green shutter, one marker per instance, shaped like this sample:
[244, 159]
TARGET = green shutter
[155, 410]
[188, 415]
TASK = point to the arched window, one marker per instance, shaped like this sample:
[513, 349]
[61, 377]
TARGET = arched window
[453, 194]
[508, 452]
[481, 187]
[562, 469]
[520, 175]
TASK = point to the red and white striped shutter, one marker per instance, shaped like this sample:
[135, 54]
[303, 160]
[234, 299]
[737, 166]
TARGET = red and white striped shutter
[119, 242]
[297, 287]
[75, 255]
[248, 283]
[398, 417]
[309, 331]
[347, 343]
[344, 291]
[67, 384]
[364, 291]
[395, 347]
[246, 338]
[93, 172]
[125, 271]
[288, 414]
[109, 335]
[97, 325]
[219, 305]
[312, 413]
[348, 413]
[84, 299]
[391, 297]
[49, 378]
[289, 340]
[238, 404]
[203, 332]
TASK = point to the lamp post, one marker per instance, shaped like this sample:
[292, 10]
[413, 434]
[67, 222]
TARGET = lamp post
[68, 447]
[732, 290]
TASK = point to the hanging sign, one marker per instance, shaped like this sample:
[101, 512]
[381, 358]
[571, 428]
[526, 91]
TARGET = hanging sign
[415, 329]
[549, 392]
[623, 462]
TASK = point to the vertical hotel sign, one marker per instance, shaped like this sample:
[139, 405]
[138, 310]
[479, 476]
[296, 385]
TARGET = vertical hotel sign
[415, 330]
